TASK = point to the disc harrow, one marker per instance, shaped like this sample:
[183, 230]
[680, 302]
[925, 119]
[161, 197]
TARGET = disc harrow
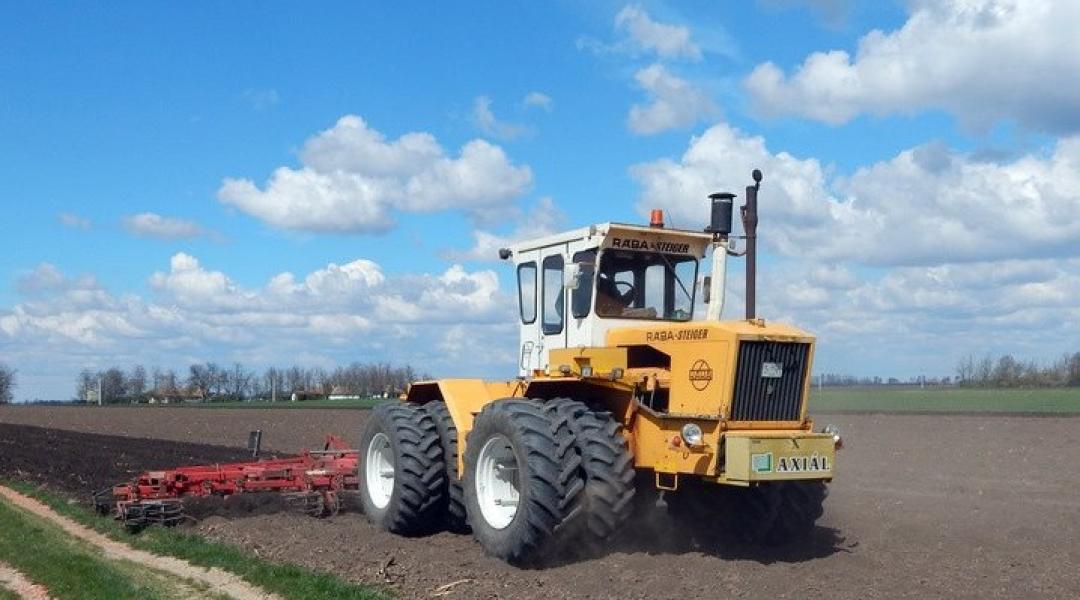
[310, 482]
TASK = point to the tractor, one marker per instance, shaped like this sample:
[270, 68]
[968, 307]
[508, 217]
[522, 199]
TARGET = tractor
[620, 393]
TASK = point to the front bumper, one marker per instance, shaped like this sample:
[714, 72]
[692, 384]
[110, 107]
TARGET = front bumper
[760, 456]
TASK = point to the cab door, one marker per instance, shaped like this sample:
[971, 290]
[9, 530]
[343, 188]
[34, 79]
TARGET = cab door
[528, 286]
[553, 302]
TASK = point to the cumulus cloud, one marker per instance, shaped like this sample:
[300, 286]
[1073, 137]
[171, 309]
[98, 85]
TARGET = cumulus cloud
[538, 100]
[74, 221]
[153, 225]
[352, 178]
[544, 219]
[339, 312]
[927, 205]
[673, 103]
[981, 60]
[666, 40]
[485, 119]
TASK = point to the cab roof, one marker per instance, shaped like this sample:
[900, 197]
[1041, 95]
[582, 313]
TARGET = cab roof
[600, 231]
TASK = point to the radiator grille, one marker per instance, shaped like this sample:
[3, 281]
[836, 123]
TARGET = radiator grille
[761, 398]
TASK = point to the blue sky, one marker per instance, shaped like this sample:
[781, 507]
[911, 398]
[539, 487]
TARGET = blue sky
[163, 165]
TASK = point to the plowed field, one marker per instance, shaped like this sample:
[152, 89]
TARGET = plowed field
[923, 507]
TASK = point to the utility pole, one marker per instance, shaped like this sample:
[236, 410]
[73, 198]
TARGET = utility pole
[273, 387]
[99, 400]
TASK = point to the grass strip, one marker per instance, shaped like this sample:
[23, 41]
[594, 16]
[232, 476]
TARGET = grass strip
[953, 400]
[48, 556]
[289, 581]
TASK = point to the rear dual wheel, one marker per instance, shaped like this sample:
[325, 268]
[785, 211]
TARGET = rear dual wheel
[401, 471]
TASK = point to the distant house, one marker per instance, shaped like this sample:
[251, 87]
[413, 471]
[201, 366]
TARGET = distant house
[175, 396]
[340, 393]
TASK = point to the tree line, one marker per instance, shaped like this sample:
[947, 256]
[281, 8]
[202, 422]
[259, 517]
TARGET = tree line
[1007, 371]
[7, 383]
[212, 382]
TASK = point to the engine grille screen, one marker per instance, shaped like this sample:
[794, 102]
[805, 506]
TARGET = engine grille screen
[769, 381]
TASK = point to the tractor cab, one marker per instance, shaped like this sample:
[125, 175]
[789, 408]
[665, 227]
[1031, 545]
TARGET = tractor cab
[576, 286]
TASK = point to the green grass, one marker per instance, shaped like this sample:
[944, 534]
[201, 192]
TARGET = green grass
[288, 581]
[67, 567]
[971, 400]
[8, 595]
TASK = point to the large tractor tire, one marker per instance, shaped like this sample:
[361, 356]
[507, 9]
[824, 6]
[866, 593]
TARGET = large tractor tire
[799, 505]
[607, 469]
[519, 480]
[401, 471]
[454, 516]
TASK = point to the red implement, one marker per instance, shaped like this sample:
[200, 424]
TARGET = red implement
[310, 481]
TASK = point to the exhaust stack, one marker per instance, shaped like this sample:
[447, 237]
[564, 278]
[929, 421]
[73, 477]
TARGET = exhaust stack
[750, 221]
[720, 228]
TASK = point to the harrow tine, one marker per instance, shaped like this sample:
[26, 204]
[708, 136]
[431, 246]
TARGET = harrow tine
[308, 503]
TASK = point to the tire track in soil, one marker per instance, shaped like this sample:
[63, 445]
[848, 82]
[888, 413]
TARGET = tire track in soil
[17, 583]
[217, 579]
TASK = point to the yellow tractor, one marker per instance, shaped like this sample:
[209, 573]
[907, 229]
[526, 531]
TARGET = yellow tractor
[620, 392]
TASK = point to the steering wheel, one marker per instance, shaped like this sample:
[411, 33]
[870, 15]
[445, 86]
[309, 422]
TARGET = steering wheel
[626, 296]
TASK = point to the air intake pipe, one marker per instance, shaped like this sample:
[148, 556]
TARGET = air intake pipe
[720, 228]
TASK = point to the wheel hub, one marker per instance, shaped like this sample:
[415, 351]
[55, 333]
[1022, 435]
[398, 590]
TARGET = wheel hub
[379, 470]
[497, 482]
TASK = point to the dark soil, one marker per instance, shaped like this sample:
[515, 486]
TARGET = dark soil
[923, 507]
[81, 463]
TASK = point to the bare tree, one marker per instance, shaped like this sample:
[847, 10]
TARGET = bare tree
[112, 385]
[239, 382]
[86, 386]
[7, 384]
[136, 382]
[199, 379]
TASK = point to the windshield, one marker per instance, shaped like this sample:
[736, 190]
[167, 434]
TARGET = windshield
[645, 285]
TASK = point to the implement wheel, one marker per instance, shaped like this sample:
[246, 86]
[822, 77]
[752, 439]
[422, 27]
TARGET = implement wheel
[607, 469]
[518, 480]
[401, 471]
[454, 516]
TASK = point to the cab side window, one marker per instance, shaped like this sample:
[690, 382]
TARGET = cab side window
[581, 298]
[554, 311]
[527, 292]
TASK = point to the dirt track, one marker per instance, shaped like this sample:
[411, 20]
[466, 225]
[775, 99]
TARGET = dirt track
[924, 506]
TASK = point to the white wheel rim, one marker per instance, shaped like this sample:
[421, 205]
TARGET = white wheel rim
[497, 482]
[379, 471]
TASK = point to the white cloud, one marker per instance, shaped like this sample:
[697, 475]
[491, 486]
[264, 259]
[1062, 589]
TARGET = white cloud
[982, 60]
[352, 178]
[153, 225]
[673, 103]
[927, 205]
[538, 100]
[351, 311]
[74, 221]
[667, 41]
[544, 219]
[485, 119]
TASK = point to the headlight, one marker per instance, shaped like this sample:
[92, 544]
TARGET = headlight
[834, 431]
[692, 435]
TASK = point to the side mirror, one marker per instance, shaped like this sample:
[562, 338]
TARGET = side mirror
[572, 276]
